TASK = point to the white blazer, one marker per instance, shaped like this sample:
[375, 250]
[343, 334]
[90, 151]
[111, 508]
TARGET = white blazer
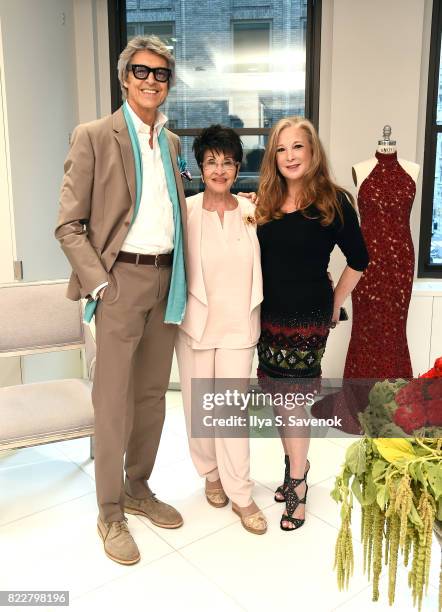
[195, 318]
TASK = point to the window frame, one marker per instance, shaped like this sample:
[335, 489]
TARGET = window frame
[425, 269]
[118, 37]
[116, 17]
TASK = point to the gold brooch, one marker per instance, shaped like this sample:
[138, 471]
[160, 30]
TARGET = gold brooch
[249, 220]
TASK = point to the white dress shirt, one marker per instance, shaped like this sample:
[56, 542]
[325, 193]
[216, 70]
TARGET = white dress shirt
[153, 230]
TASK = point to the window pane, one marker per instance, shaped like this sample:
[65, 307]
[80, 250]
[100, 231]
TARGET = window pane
[165, 31]
[242, 65]
[131, 30]
[436, 234]
[251, 47]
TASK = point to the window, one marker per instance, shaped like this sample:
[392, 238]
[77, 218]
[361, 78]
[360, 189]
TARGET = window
[245, 65]
[430, 244]
[164, 30]
[132, 30]
[251, 46]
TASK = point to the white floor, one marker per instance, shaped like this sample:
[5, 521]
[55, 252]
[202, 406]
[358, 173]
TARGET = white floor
[48, 537]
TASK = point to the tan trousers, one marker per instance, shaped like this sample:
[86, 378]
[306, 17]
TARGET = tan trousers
[134, 358]
[227, 459]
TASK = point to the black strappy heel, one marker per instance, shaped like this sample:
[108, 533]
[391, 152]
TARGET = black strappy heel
[281, 489]
[293, 501]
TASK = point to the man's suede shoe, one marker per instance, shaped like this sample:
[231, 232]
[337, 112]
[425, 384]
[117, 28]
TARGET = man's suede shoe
[119, 545]
[159, 513]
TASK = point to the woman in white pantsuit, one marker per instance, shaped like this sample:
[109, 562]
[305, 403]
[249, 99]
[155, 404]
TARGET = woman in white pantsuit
[221, 327]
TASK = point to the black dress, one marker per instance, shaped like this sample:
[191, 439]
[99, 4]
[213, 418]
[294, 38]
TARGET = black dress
[298, 296]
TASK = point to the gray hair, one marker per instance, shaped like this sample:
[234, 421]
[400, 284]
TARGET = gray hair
[143, 43]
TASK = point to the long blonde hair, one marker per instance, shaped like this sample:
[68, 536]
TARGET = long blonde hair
[317, 185]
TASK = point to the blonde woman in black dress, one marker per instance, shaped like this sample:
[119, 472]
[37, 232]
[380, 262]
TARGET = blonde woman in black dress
[302, 214]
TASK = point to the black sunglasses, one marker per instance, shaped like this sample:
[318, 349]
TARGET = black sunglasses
[142, 72]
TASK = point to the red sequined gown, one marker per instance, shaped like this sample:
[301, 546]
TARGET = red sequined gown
[378, 346]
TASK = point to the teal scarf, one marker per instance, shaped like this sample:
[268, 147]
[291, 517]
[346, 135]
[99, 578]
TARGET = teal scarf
[176, 302]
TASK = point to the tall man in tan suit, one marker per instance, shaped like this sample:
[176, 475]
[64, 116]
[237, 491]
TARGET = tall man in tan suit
[122, 214]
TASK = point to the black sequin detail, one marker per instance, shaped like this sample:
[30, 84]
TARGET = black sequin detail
[292, 346]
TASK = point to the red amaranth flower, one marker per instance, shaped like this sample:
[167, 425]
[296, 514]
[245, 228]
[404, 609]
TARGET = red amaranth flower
[410, 417]
[411, 393]
[434, 412]
[420, 401]
[434, 389]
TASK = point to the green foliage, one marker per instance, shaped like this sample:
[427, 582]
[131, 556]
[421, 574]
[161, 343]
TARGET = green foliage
[384, 392]
[377, 419]
[398, 483]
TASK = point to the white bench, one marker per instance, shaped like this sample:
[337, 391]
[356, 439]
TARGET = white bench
[38, 318]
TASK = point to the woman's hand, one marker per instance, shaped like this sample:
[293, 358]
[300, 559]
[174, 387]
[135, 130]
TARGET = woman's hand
[251, 195]
[348, 281]
[335, 316]
[336, 309]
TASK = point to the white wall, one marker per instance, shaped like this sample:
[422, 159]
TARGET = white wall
[7, 234]
[92, 59]
[55, 74]
[10, 369]
[374, 70]
[39, 77]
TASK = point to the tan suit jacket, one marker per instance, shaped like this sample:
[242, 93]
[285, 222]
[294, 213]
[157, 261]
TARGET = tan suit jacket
[197, 308]
[97, 199]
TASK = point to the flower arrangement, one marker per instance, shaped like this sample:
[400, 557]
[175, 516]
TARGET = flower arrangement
[397, 481]
[402, 408]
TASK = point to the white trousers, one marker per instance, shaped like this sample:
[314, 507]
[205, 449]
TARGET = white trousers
[227, 459]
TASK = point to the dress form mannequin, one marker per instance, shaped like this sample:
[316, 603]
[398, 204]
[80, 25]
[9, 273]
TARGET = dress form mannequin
[361, 170]
[386, 189]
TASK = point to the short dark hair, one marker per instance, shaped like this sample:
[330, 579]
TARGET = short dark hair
[220, 139]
